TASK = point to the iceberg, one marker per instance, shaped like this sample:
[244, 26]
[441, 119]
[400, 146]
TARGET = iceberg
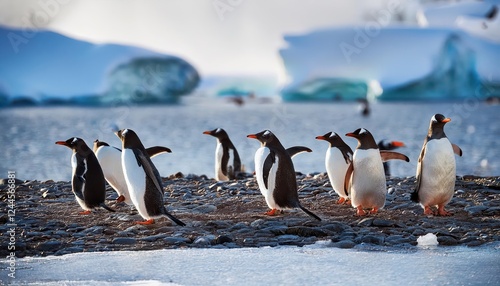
[408, 63]
[43, 67]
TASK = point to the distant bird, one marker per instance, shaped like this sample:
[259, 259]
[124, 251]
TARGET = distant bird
[364, 106]
[436, 169]
[143, 180]
[87, 181]
[337, 160]
[365, 178]
[277, 182]
[389, 145]
[110, 159]
[224, 151]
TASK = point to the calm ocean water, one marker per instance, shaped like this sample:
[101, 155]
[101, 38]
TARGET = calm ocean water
[28, 134]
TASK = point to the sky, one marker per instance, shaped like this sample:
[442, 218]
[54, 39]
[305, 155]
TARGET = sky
[238, 37]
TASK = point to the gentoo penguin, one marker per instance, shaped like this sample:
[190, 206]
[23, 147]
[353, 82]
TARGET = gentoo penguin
[388, 145]
[277, 181]
[436, 169]
[292, 152]
[143, 180]
[365, 175]
[110, 159]
[224, 170]
[87, 181]
[337, 160]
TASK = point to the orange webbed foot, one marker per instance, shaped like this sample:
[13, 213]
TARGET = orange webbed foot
[120, 199]
[146, 222]
[428, 211]
[374, 211]
[442, 212]
[361, 211]
[341, 201]
[272, 212]
[86, 212]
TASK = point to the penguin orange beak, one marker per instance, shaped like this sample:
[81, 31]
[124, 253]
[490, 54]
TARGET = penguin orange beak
[397, 144]
[320, 137]
[351, 135]
[446, 120]
[206, 132]
[62, 143]
[252, 136]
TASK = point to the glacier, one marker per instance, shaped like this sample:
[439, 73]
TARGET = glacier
[407, 63]
[43, 67]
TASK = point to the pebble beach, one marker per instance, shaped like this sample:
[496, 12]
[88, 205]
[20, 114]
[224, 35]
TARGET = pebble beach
[231, 215]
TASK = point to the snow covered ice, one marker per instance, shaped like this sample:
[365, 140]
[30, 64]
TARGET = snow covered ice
[428, 240]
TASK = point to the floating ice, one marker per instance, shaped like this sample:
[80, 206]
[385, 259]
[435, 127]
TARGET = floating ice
[427, 240]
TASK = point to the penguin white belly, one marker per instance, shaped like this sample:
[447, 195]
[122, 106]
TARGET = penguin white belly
[368, 187]
[336, 169]
[110, 160]
[260, 157]
[136, 181]
[219, 151]
[73, 166]
[437, 182]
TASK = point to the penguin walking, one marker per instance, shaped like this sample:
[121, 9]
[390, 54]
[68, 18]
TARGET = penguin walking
[109, 158]
[276, 181]
[224, 170]
[143, 180]
[337, 160]
[365, 176]
[87, 181]
[389, 145]
[436, 169]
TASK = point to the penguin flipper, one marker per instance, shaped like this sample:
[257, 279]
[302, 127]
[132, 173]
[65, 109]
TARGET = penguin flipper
[268, 164]
[157, 150]
[347, 179]
[420, 164]
[78, 185]
[391, 155]
[295, 150]
[456, 149]
[309, 212]
[104, 206]
[146, 164]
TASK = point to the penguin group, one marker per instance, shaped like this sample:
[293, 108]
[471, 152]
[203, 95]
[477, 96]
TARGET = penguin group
[358, 178]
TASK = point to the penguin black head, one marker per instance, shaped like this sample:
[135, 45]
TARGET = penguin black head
[389, 145]
[436, 126]
[76, 144]
[332, 138]
[365, 139]
[219, 133]
[266, 138]
[129, 138]
[98, 144]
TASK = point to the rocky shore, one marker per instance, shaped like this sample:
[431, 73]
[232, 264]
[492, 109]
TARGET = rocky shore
[231, 214]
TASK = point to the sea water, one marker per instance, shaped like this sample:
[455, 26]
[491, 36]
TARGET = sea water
[28, 134]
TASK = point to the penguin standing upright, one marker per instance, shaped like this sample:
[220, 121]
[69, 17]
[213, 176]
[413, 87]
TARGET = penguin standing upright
[87, 181]
[143, 180]
[436, 169]
[337, 160]
[223, 169]
[365, 176]
[389, 146]
[109, 158]
[277, 181]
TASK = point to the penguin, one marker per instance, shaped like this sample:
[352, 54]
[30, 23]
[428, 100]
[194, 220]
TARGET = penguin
[365, 178]
[87, 181]
[277, 182]
[224, 170]
[109, 158]
[337, 160]
[143, 180]
[436, 169]
[389, 145]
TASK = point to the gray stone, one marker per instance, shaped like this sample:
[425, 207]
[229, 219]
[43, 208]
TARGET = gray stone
[205, 240]
[288, 239]
[476, 210]
[152, 238]
[257, 223]
[446, 240]
[372, 239]
[366, 222]
[176, 240]
[344, 244]
[383, 222]
[223, 239]
[205, 209]
[124, 240]
[50, 245]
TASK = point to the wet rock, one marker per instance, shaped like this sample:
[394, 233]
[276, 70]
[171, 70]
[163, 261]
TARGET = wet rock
[383, 222]
[124, 240]
[447, 240]
[223, 239]
[204, 209]
[205, 240]
[51, 245]
[156, 237]
[175, 240]
[344, 244]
